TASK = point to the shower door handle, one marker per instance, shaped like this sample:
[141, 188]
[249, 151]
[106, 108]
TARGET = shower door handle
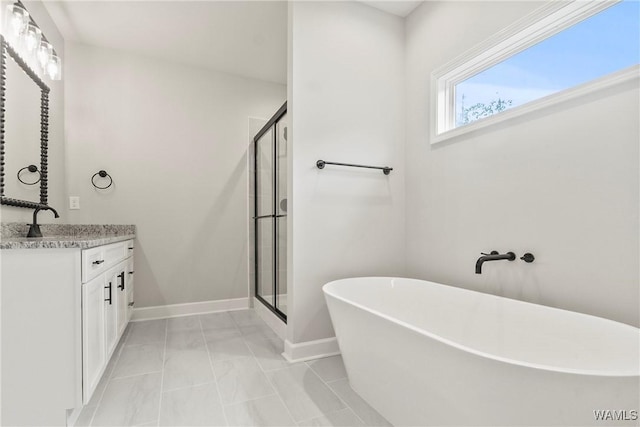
[268, 216]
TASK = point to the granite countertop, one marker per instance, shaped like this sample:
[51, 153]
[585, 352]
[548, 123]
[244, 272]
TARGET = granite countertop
[61, 236]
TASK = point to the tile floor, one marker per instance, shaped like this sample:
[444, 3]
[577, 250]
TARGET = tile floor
[220, 369]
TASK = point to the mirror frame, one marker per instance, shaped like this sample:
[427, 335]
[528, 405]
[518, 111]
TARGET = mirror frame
[44, 127]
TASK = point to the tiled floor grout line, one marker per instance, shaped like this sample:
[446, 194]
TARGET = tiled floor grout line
[234, 321]
[184, 387]
[342, 400]
[265, 373]
[213, 371]
[281, 399]
[125, 336]
[112, 378]
[164, 355]
[252, 356]
[273, 386]
[249, 400]
[140, 345]
[326, 383]
[346, 405]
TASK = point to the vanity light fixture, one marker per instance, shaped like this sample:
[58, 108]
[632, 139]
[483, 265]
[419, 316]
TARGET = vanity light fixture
[32, 37]
[54, 67]
[26, 38]
[44, 52]
[15, 22]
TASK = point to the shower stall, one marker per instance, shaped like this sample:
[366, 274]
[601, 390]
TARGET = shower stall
[270, 214]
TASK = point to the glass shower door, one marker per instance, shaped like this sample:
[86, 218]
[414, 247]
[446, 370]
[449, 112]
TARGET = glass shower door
[264, 219]
[270, 220]
[281, 214]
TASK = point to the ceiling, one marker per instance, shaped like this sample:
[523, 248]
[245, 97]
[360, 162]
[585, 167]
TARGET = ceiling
[400, 8]
[246, 38]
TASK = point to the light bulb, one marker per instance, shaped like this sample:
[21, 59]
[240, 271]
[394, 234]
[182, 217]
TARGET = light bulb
[45, 50]
[54, 68]
[16, 20]
[32, 37]
[19, 19]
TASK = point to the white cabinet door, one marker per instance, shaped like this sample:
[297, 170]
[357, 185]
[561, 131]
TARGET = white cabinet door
[122, 299]
[129, 278]
[111, 310]
[94, 355]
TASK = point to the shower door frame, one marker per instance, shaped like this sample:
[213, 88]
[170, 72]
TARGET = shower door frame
[271, 124]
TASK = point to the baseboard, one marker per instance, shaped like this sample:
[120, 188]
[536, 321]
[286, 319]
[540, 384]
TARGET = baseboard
[177, 310]
[274, 322]
[310, 350]
[73, 415]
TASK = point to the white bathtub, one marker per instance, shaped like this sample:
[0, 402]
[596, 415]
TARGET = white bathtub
[422, 354]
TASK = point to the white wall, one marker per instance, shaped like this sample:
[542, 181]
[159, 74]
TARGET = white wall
[561, 183]
[174, 139]
[56, 157]
[346, 103]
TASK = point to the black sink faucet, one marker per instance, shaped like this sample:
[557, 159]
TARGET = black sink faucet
[34, 230]
[493, 256]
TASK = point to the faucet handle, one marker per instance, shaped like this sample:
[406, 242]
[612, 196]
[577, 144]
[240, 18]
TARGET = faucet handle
[492, 253]
[528, 257]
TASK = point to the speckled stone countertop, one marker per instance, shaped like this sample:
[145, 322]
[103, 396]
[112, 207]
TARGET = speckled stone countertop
[60, 236]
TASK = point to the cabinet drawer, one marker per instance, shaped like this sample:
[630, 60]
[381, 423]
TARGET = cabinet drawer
[114, 253]
[97, 260]
[93, 263]
[129, 250]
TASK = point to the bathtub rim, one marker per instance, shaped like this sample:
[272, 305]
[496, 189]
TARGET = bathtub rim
[326, 289]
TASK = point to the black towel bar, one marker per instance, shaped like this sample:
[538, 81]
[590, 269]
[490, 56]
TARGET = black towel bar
[385, 169]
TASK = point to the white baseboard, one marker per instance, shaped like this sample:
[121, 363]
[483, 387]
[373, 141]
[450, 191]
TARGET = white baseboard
[177, 310]
[274, 322]
[310, 350]
[73, 415]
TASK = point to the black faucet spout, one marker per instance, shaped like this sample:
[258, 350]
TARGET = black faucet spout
[34, 229]
[493, 256]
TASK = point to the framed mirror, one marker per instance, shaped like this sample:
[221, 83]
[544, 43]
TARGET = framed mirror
[24, 129]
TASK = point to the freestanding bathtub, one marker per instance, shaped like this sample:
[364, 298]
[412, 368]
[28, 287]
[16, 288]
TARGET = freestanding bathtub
[425, 354]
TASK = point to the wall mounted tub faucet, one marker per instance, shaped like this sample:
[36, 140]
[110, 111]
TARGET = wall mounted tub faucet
[493, 256]
[34, 229]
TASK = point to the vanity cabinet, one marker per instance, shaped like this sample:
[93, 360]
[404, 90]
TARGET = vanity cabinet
[127, 302]
[110, 312]
[106, 297]
[94, 354]
[58, 328]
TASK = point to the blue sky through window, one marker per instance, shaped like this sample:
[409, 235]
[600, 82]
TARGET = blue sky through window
[604, 43]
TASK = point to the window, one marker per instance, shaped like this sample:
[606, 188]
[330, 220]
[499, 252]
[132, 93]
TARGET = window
[559, 51]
